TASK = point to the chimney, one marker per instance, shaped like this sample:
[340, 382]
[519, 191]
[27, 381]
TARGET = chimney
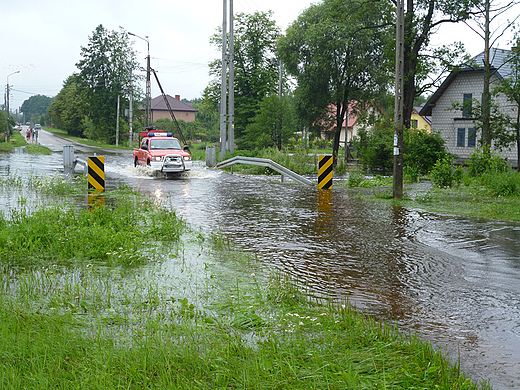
[178, 97]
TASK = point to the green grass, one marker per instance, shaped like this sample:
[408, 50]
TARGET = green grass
[472, 201]
[17, 140]
[77, 311]
[86, 141]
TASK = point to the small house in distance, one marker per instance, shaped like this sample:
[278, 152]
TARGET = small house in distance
[457, 127]
[352, 123]
[420, 122]
[180, 109]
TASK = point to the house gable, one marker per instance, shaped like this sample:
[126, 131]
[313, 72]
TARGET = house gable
[456, 126]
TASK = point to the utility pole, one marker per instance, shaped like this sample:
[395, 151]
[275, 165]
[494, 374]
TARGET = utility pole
[398, 112]
[7, 129]
[131, 111]
[117, 121]
[280, 96]
[223, 87]
[231, 87]
[148, 87]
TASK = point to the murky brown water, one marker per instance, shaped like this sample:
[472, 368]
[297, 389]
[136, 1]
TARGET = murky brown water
[454, 280]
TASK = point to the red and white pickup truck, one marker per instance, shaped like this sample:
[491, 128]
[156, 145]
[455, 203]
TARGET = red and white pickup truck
[162, 152]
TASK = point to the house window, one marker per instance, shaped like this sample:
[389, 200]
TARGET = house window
[472, 138]
[415, 123]
[461, 134]
[467, 100]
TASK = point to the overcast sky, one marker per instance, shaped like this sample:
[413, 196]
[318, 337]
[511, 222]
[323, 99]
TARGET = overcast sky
[42, 39]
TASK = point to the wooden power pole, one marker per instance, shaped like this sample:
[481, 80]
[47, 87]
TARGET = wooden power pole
[398, 113]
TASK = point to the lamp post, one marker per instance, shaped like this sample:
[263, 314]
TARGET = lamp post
[148, 90]
[8, 130]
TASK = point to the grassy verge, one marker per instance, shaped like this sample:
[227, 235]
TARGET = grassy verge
[124, 297]
[86, 141]
[472, 201]
[17, 140]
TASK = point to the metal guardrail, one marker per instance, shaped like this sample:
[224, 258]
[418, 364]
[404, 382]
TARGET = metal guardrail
[70, 160]
[264, 162]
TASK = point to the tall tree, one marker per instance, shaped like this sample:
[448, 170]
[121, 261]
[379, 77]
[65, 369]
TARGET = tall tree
[256, 72]
[35, 106]
[489, 11]
[510, 86]
[68, 109]
[105, 74]
[422, 19]
[273, 123]
[336, 51]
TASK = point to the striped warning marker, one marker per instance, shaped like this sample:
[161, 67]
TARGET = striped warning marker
[325, 172]
[96, 173]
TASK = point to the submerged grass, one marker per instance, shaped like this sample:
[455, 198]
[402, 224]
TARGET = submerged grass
[76, 316]
[17, 140]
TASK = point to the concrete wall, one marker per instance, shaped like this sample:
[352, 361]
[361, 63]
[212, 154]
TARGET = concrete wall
[447, 121]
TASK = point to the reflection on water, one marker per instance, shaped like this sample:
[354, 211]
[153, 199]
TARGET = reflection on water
[454, 280]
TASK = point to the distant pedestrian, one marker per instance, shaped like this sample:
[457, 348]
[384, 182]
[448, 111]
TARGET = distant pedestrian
[28, 135]
[35, 131]
[32, 135]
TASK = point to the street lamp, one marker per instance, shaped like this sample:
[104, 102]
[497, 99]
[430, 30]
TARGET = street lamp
[148, 90]
[8, 130]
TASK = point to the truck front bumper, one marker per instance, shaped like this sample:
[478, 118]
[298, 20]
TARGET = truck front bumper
[171, 163]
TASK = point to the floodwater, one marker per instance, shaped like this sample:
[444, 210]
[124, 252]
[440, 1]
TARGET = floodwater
[453, 280]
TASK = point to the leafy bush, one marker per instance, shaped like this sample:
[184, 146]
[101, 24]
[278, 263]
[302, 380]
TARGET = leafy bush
[355, 179]
[411, 173]
[501, 184]
[422, 149]
[444, 174]
[483, 160]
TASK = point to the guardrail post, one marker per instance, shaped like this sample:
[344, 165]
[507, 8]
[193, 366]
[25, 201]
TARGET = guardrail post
[68, 156]
[210, 156]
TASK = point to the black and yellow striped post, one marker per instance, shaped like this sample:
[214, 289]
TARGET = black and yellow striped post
[325, 171]
[96, 182]
[96, 174]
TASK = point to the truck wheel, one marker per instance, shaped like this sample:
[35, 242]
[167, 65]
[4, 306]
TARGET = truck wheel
[148, 162]
[136, 162]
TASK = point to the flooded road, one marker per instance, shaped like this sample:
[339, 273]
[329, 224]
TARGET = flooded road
[453, 280]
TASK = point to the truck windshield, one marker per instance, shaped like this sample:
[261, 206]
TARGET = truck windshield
[165, 144]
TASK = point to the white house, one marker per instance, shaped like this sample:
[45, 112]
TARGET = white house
[457, 127]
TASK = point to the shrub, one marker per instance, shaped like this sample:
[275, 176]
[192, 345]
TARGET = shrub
[423, 149]
[355, 179]
[483, 160]
[501, 184]
[444, 174]
[411, 173]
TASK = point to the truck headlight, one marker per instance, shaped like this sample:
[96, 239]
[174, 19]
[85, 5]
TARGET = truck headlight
[187, 158]
[157, 158]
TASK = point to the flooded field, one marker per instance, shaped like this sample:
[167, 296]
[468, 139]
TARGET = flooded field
[453, 280]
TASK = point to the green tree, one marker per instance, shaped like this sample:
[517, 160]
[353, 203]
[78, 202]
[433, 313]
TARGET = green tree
[422, 19]
[256, 72]
[35, 106]
[209, 117]
[3, 122]
[374, 148]
[68, 109]
[336, 51]
[273, 124]
[105, 74]
[510, 86]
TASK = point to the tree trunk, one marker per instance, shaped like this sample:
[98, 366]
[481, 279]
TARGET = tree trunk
[486, 131]
[518, 138]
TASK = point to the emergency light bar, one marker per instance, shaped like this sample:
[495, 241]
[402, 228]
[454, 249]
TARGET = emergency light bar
[160, 134]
